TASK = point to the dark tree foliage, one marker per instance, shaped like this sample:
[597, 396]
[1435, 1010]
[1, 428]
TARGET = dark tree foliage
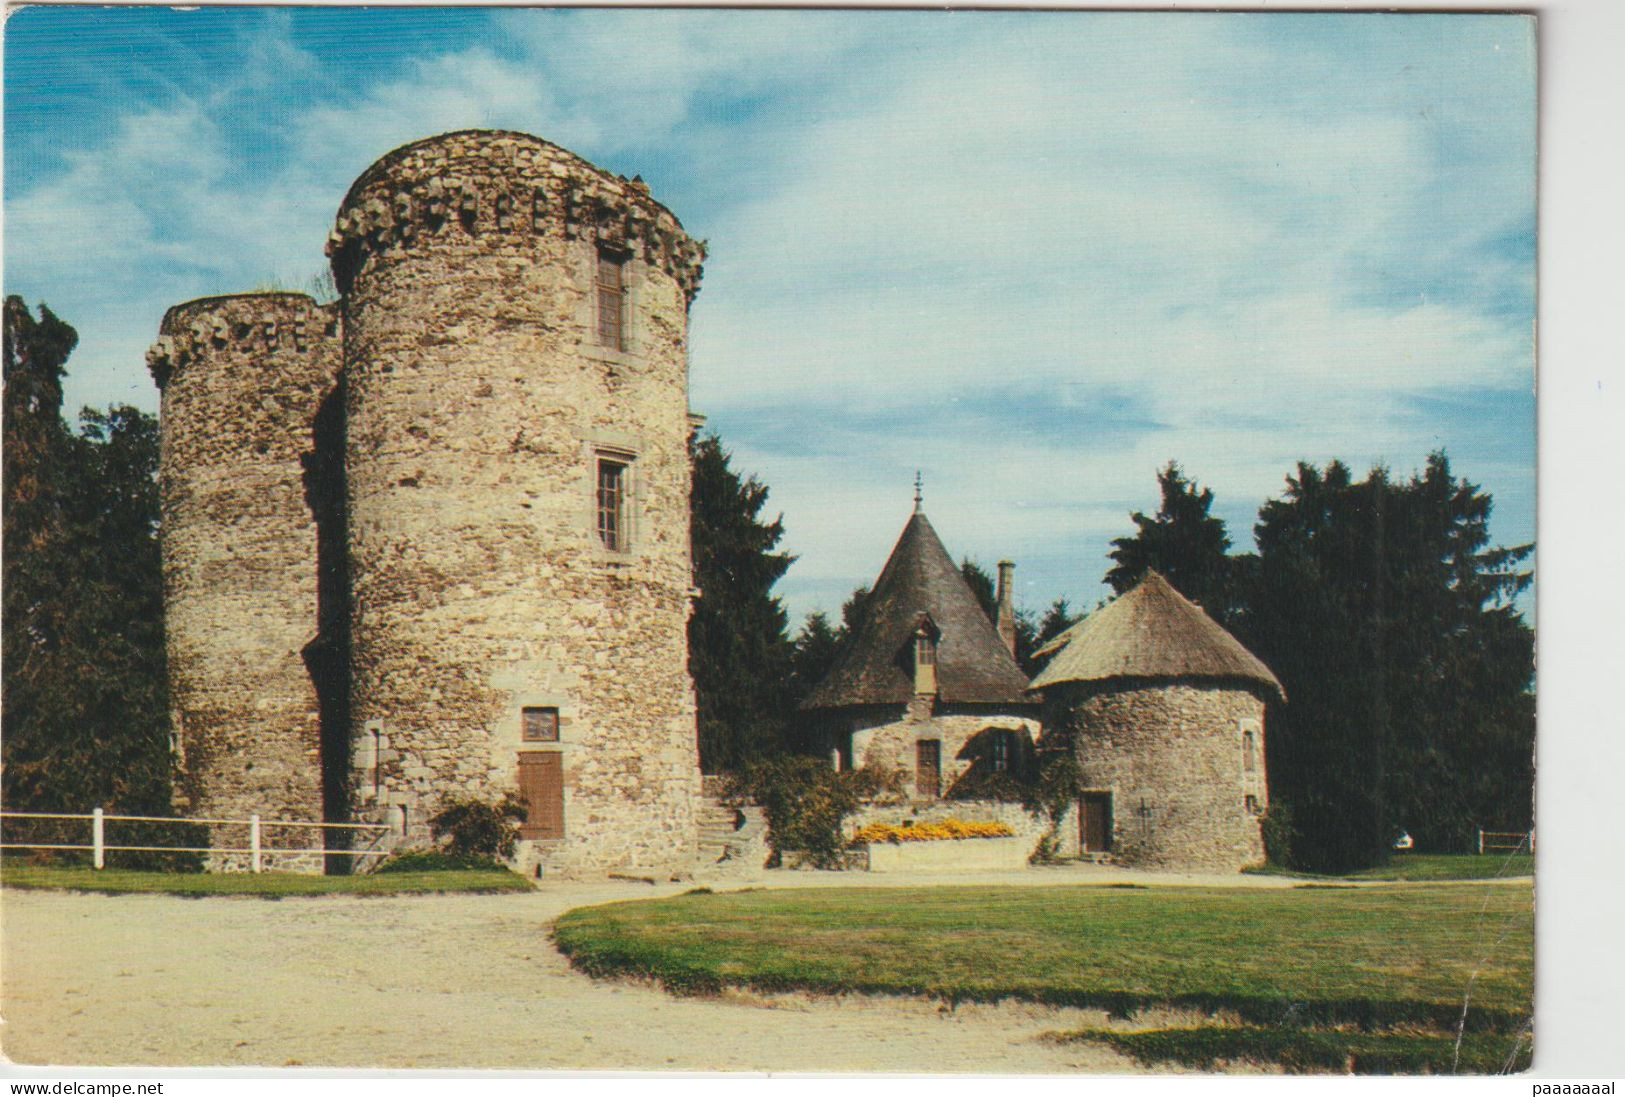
[739, 653]
[1030, 635]
[812, 654]
[1184, 542]
[981, 584]
[1389, 619]
[86, 708]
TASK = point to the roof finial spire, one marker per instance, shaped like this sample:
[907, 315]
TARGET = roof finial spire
[919, 495]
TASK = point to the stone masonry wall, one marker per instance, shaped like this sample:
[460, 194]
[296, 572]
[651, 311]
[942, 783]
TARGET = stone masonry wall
[241, 379]
[1172, 756]
[478, 402]
[881, 740]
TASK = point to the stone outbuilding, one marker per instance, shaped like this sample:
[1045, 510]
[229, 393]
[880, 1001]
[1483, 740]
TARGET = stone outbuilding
[1165, 711]
[928, 687]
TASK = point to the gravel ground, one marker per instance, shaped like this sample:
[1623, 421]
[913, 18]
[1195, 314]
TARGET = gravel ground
[439, 982]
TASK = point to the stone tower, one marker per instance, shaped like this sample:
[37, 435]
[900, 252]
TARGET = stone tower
[433, 540]
[241, 381]
[1165, 713]
[515, 354]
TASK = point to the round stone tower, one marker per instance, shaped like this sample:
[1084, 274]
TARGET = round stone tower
[515, 343]
[241, 381]
[1164, 711]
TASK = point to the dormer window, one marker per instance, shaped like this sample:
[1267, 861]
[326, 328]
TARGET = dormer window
[925, 657]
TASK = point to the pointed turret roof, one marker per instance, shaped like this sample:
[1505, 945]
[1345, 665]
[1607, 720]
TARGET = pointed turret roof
[876, 668]
[1151, 631]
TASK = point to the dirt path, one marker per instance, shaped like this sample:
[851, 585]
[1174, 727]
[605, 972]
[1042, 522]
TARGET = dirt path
[434, 981]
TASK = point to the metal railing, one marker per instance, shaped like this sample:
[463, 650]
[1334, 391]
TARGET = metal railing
[256, 848]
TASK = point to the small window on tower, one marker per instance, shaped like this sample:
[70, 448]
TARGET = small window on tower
[613, 478]
[611, 301]
[540, 725]
[1252, 805]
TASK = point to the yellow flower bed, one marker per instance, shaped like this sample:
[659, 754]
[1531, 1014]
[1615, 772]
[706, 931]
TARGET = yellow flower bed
[946, 830]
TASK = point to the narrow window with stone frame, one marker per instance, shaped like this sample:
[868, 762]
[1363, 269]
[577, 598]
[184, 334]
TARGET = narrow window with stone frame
[611, 292]
[614, 476]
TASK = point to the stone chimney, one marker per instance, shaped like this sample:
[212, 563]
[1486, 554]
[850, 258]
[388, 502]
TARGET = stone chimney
[1007, 605]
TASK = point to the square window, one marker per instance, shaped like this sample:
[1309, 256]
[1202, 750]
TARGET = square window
[540, 725]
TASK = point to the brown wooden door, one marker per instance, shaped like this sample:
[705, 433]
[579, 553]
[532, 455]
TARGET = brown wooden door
[928, 768]
[541, 787]
[1096, 822]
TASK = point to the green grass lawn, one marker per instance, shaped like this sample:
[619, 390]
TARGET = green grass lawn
[265, 885]
[1372, 958]
[1432, 866]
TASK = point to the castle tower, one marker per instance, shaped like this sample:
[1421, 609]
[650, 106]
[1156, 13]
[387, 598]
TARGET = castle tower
[241, 381]
[515, 341]
[1166, 715]
[927, 688]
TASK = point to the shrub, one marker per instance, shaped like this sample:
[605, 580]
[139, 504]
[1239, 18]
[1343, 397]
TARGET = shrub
[1051, 796]
[474, 828]
[805, 802]
[1276, 827]
[433, 860]
[946, 830]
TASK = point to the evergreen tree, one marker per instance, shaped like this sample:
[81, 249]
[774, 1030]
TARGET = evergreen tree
[85, 694]
[1184, 542]
[739, 653]
[1030, 635]
[813, 654]
[981, 585]
[1389, 619]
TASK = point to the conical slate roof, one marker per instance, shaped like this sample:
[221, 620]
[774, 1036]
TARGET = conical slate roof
[1151, 631]
[920, 578]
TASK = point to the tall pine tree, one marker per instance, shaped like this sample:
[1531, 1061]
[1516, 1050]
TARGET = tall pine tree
[739, 652]
[1390, 620]
[85, 695]
[1183, 541]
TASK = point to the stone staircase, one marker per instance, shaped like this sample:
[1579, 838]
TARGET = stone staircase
[729, 834]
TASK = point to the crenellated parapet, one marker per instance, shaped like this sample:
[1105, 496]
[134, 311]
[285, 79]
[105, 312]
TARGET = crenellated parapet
[246, 324]
[509, 189]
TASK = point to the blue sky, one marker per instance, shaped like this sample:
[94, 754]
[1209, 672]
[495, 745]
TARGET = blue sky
[1035, 255]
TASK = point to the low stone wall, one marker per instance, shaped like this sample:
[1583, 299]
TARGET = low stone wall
[951, 855]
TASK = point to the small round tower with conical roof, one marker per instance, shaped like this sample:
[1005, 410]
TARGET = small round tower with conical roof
[1165, 710]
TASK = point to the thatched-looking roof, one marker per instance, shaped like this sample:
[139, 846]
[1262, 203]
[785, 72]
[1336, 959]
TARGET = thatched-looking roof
[1151, 631]
[876, 668]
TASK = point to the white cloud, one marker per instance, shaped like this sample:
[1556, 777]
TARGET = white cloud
[1254, 245]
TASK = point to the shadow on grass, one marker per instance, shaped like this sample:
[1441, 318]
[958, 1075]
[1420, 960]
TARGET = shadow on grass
[1307, 1050]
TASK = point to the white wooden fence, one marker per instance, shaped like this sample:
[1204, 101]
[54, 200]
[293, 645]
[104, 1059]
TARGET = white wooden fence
[255, 849]
[1495, 841]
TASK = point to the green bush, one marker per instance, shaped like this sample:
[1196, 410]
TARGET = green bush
[433, 860]
[1277, 830]
[806, 802]
[473, 828]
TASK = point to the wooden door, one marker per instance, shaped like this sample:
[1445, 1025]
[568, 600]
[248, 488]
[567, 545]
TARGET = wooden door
[928, 769]
[541, 787]
[1095, 821]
